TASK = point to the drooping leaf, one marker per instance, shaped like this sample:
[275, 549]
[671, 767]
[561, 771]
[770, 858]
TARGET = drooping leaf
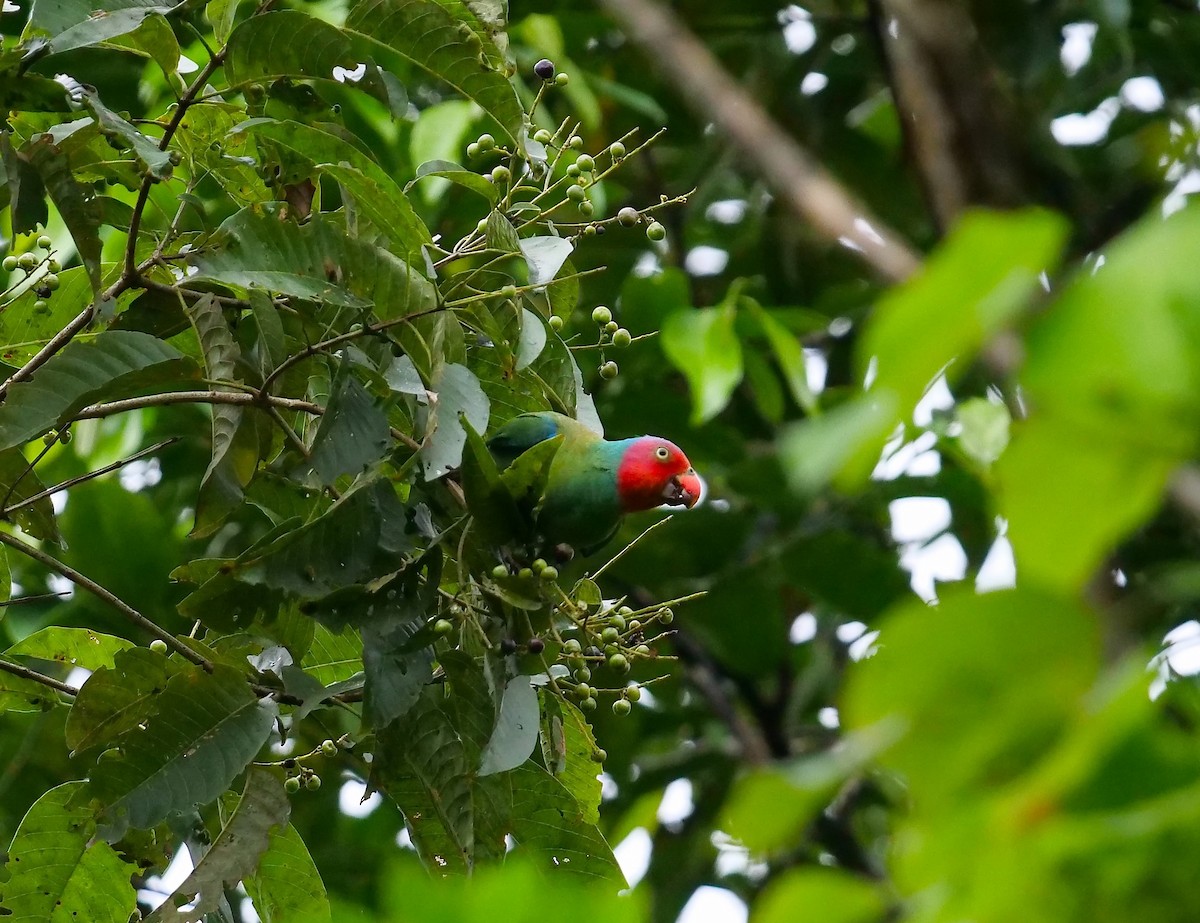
[545, 256]
[78, 647]
[19, 483]
[112, 365]
[156, 162]
[117, 698]
[262, 810]
[78, 24]
[56, 875]
[459, 176]
[207, 729]
[458, 392]
[353, 433]
[516, 730]
[397, 657]
[287, 885]
[75, 202]
[333, 657]
[568, 748]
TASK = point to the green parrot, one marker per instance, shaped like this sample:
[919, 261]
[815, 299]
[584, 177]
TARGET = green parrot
[592, 481]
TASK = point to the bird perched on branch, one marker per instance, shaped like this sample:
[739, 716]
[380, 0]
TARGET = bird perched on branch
[593, 482]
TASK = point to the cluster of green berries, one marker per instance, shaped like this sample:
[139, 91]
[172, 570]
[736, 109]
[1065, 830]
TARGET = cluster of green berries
[538, 568]
[28, 262]
[629, 217]
[611, 334]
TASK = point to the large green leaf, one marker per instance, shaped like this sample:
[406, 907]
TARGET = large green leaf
[74, 24]
[209, 726]
[117, 698]
[18, 483]
[263, 809]
[78, 647]
[702, 344]
[287, 885]
[75, 202]
[516, 731]
[57, 877]
[256, 248]
[444, 39]
[153, 160]
[112, 365]
[333, 657]
[568, 752]
[353, 433]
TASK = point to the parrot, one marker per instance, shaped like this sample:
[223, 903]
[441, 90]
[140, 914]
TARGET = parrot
[593, 482]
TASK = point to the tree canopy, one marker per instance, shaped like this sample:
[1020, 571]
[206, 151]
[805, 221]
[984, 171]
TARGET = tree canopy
[912, 282]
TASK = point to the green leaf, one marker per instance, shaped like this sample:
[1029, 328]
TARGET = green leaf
[441, 39]
[816, 450]
[79, 647]
[156, 162]
[75, 202]
[113, 365]
[262, 809]
[493, 511]
[353, 433]
[568, 746]
[458, 392]
[545, 256]
[287, 886]
[375, 193]
[117, 698]
[460, 176]
[221, 13]
[702, 344]
[516, 730]
[397, 658]
[20, 695]
[255, 249]
[789, 354]
[809, 895]
[18, 483]
[209, 726]
[333, 657]
[57, 877]
[984, 434]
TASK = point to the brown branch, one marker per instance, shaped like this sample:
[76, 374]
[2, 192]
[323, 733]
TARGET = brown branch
[7, 666]
[796, 176]
[101, 593]
[241, 398]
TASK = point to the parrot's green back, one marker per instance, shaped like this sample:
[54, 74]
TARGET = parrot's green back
[580, 506]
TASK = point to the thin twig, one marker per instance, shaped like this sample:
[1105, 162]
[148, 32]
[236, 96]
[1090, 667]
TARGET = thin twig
[100, 592]
[797, 177]
[244, 399]
[616, 557]
[7, 666]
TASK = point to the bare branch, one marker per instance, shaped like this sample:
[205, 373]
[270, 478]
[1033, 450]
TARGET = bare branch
[242, 398]
[7, 666]
[797, 177]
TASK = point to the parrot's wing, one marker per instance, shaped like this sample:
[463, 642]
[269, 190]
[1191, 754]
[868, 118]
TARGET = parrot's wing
[520, 434]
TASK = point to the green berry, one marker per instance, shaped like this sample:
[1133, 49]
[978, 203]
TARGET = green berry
[486, 142]
[159, 646]
[588, 704]
[589, 230]
[619, 663]
[621, 337]
[541, 136]
[635, 625]
[616, 150]
[562, 80]
[655, 231]
[621, 707]
[633, 693]
[501, 174]
[556, 323]
[576, 193]
[10, 263]
[525, 573]
[50, 438]
[291, 785]
[611, 648]
[481, 227]
[329, 748]
[50, 280]
[53, 265]
[65, 436]
[41, 306]
[585, 163]
[643, 650]
[313, 782]
[587, 209]
[499, 571]
[583, 674]
[611, 327]
[45, 242]
[599, 755]
[549, 574]
[665, 615]
[509, 291]
[609, 370]
[617, 622]
[609, 635]
[27, 261]
[473, 150]
[575, 142]
[572, 646]
[583, 690]
[443, 627]
[601, 315]
[538, 565]
[627, 216]
[573, 171]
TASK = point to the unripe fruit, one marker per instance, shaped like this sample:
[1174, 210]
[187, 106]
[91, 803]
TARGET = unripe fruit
[621, 707]
[562, 80]
[501, 174]
[41, 305]
[27, 261]
[611, 327]
[588, 704]
[65, 436]
[556, 323]
[619, 663]
[617, 622]
[544, 68]
[621, 337]
[291, 785]
[601, 315]
[536, 645]
[473, 150]
[50, 438]
[576, 193]
[510, 291]
[541, 136]
[313, 782]
[627, 216]
[538, 565]
[10, 263]
[609, 635]
[575, 142]
[499, 571]
[583, 690]
[589, 230]
[585, 163]
[51, 281]
[329, 748]
[443, 627]
[486, 142]
[599, 755]
[665, 615]
[586, 209]
[159, 646]
[583, 674]
[655, 231]
[633, 693]
[643, 650]
[611, 648]
[609, 370]
[574, 171]
[175, 157]
[571, 646]
[616, 150]
[53, 265]
[525, 573]
[45, 242]
[550, 573]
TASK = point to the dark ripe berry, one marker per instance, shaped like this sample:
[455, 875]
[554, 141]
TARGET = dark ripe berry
[536, 645]
[601, 315]
[291, 785]
[544, 68]
[609, 370]
[508, 646]
[627, 216]
[655, 231]
[289, 763]
[592, 651]
[621, 707]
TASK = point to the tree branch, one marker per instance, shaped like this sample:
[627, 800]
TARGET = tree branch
[241, 398]
[101, 593]
[7, 666]
[796, 176]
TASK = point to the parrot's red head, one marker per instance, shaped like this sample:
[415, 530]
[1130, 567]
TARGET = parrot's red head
[654, 472]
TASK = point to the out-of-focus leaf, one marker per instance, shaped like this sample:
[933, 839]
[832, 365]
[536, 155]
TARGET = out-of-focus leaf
[262, 809]
[110, 366]
[287, 886]
[702, 344]
[458, 392]
[820, 895]
[516, 730]
[56, 874]
[816, 450]
[78, 24]
[789, 354]
[18, 482]
[985, 424]
[117, 698]
[214, 718]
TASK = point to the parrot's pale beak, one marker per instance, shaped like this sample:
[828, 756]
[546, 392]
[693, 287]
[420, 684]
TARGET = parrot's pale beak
[684, 489]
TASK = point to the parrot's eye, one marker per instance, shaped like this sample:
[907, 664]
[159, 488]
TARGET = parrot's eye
[662, 453]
